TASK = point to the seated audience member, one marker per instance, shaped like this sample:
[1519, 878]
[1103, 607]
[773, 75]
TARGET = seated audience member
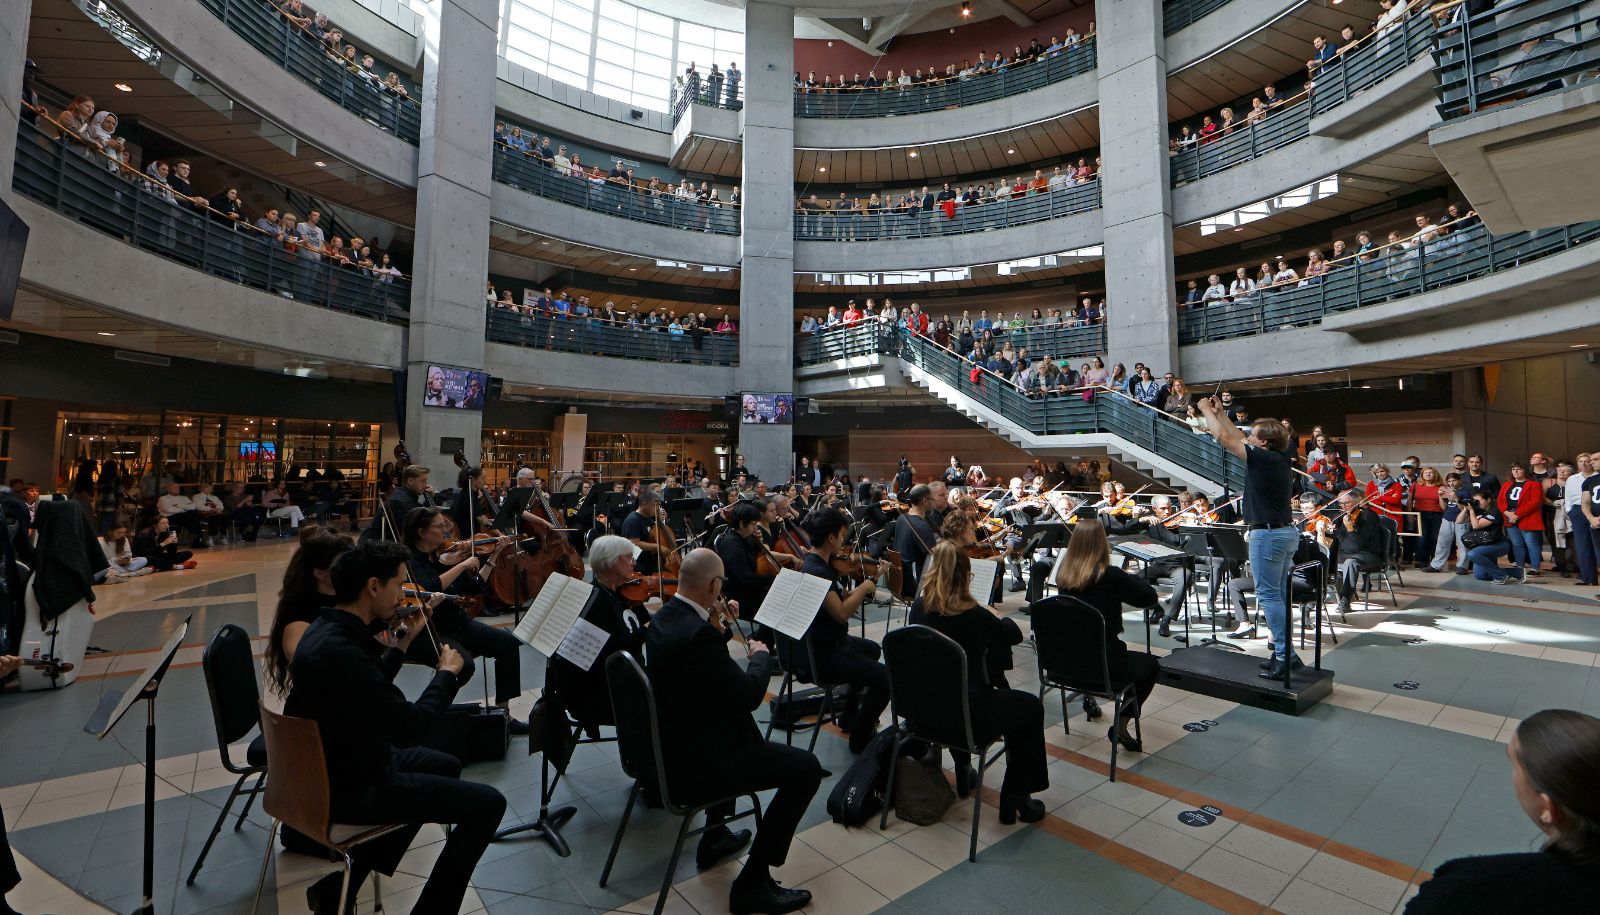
[246, 515]
[118, 547]
[946, 606]
[179, 511]
[278, 504]
[158, 545]
[1554, 755]
[208, 509]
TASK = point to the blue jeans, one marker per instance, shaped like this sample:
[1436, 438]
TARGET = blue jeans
[1486, 560]
[1527, 547]
[1271, 558]
[1583, 544]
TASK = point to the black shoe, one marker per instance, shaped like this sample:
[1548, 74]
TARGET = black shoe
[966, 777]
[861, 736]
[1016, 586]
[1268, 662]
[1275, 671]
[1165, 629]
[1154, 615]
[718, 845]
[1462, 571]
[1091, 710]
[1129, 742]
[748, 897]
[1247, 634]
[1343, 608]
[322, 897]
[519, 727]
[1024, 808]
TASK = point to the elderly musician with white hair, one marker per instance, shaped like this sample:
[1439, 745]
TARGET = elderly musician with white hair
[585, 693]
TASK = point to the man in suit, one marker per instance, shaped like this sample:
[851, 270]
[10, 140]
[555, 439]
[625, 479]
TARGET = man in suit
[343, 680]
[711, 744]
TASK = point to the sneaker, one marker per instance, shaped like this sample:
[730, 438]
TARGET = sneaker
[142, 572]
[1502, 581]
[189, 564]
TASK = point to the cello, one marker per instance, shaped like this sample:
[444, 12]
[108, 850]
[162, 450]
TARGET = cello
[516, 580]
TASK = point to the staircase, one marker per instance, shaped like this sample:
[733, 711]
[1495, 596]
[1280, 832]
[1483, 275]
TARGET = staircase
[1141, 437]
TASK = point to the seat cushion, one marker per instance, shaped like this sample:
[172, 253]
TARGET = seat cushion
[256, 754]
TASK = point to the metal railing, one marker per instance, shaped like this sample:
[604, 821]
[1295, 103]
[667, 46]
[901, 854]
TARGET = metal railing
[296, 50]
[530, 173]
[854, 225]
[1177, 14]
[593, 336]
[890, 100]
[1378, 57]
[1516, 50]
[1455, 258]
[78, 182]
[1074, 413]
[841, 342]
[718, 93]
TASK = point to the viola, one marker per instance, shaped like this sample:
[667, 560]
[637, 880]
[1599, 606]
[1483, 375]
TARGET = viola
[856, 565]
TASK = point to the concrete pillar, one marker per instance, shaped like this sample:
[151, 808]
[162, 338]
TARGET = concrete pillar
[13, 51]
[452, 240]
[568, 437]
[1136, 193]
[766, 281]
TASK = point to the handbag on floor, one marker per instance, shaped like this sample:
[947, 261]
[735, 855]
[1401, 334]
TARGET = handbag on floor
[921, 792]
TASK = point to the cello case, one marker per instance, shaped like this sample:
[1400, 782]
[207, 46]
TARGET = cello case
[64, 640]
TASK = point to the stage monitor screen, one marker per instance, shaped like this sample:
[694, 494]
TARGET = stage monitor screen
[767, 408]
[463, 389]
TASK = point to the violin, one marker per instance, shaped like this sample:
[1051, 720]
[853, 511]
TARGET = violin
[726, 621]
[413, 600]
[856, 565]
[1351, 517]
[894, 505]
[636, 591]
[476, 545]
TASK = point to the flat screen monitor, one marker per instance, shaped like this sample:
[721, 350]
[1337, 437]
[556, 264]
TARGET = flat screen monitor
[462, 389]
[258, 451]
[767, 409]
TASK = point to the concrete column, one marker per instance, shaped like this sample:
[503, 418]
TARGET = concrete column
[1136, 193]
[13, 51]
[452, 240]
[766, 281]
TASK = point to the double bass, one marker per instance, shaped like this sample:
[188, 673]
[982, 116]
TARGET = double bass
[520, 577]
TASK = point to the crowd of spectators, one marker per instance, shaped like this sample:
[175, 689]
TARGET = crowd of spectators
[1325, 54]
[313, 26]
[947, 202]
[587, 323]
[719, 88]
[946, 331]
[986, 65]
[1396, 259]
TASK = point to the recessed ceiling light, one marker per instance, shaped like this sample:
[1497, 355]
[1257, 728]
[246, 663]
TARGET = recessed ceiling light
[321, 164]
[913, 154]
[633, 269]
[122, 87]
[1579, 345]
[822, 168]
[106, 333]
[1011, 152]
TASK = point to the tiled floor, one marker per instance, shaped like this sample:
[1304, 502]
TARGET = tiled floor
[1343, 810]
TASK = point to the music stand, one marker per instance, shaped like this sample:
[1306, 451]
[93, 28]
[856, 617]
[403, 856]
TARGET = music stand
[1228, 547]
[110, 711]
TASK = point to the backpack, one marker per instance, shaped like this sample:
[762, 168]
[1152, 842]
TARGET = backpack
[859, 793]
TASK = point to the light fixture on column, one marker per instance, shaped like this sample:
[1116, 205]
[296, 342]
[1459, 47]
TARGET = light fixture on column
[966, 9]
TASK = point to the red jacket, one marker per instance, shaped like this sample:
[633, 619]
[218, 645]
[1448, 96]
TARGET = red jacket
[1390, 500]
[1348, 480]
[1528, 503]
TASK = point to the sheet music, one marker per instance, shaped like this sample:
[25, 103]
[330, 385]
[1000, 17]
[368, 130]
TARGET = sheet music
[583, 643]
[983, 575]
[792, 602]
[552, 615]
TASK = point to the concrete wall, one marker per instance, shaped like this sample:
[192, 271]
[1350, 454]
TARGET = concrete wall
[572, 374]
[1052, 236]
[244, 73]
[1541, 404]
[537, 99]
[128, 281]
[1227, 25]
[612, 233]
[378, 30]
[946, 125]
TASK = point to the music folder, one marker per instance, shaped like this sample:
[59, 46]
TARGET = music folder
[552, 624]
[792, 602]
[983, 575]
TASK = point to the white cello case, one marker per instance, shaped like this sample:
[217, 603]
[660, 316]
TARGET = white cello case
[66, 640]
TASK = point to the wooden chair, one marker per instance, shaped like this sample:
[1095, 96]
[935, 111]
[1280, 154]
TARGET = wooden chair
[298, 795]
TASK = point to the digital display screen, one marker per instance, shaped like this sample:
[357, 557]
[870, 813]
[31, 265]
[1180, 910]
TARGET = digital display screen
[463, 389]
[767, 408]
[258, 451]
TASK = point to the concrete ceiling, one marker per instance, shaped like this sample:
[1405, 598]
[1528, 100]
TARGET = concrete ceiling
[545, 248]
[1023, 148]
[80, 57]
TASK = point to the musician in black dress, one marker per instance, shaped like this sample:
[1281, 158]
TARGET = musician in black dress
[423, 533]
[946, 606]
[1359, 535]
[842, 657]
[474, 509]
[914, 537]
[739, 545]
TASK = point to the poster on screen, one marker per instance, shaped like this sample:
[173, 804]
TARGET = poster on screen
[462, 389]
[768, 408]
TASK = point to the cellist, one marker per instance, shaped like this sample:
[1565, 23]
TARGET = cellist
[514, 508]
[640, 529]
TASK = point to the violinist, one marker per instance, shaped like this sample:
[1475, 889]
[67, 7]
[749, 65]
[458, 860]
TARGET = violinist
[1016, 509]
[474, 509]
[376, 772]
[914, 537]
[941, 503]
[585, 693]
[424, 532]
[414, 491]
[1359, 537]
[842, 657]
[1161, 509]
[741, 548]
[639, 528]
[955, 474]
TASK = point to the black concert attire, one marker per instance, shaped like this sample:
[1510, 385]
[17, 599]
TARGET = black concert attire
[1107, 595]
[638, 527]
[913, 540]
[875, 528]
[1360, 550]
[742, 583]
[1483, 482]
[342, 683]
[9, 877]
[400, 502]
[585, 693]
[469, 636]
[1006, 511]
[516, 500]
[1304, 585]
[1176, 568]
[844, 658]
[710, 743]
[903, 480]
[1016, 715]
[147, 544]
[469, 506]
[1540, 881]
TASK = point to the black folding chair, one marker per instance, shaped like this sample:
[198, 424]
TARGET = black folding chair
[1391, 562]
[827, 714]
[928, 701]
[633, 701]
[230, 670]
[1070, 638]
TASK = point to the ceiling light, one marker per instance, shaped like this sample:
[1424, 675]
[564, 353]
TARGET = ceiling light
[822, 168]
[106, 333]
[966, 9]
[122, 87]
[1578, 345]
[321, 164]
[912, 154]
[633, 269]
[1011, 152]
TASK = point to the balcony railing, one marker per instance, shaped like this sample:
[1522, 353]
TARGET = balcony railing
[530, 173]
[1400, 272]
[1177, 14]
[825, 225]
[1516, 50]
[717, 93]
[79, 183]
[1054, 340]
[1049, 414]
[593, 336]
[1375, 57]
[890, 100]
[296, 50]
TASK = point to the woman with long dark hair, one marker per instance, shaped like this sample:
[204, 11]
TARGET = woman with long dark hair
[306, 591]
[1554, 757]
